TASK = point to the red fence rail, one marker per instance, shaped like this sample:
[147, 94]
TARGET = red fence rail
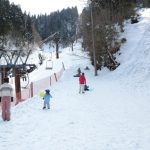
[37, 86]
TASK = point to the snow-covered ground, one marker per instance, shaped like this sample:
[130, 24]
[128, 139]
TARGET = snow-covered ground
[114, 115]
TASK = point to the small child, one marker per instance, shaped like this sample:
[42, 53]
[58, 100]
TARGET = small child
[47, 98]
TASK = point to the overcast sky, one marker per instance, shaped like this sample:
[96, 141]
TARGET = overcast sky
[47, 6]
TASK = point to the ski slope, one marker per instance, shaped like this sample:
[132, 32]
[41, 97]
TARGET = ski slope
[114, 115]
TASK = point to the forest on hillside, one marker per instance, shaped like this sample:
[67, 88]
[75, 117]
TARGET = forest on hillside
[65, 22]
[19, 29]
[14, 24]
[98, 25]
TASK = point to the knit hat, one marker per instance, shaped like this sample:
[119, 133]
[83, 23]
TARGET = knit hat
[47, 91]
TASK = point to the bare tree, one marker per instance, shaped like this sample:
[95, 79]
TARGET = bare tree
[106, 15]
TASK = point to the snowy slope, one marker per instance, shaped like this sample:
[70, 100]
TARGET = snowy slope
[135, 57]
[114, 115]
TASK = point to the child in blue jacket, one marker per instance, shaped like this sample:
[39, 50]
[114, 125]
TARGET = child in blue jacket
[47, 98]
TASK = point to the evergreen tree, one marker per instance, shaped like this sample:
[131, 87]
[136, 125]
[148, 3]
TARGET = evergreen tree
[13, 24]
[5, 23]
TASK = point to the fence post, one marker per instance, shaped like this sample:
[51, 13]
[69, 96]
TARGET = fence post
[63, 65]
[55, 77]
[31, 89]
[50, 81]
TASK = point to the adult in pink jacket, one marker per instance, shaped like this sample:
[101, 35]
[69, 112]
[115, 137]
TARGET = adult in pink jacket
[82, 82]
[6, 96]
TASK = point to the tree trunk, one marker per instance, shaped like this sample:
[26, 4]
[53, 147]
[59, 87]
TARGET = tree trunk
[57, 50]
[17, 85]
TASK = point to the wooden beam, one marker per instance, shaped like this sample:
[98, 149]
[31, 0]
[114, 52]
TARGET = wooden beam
[17, 86]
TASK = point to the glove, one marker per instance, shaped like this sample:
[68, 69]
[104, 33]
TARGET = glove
[12, 99]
